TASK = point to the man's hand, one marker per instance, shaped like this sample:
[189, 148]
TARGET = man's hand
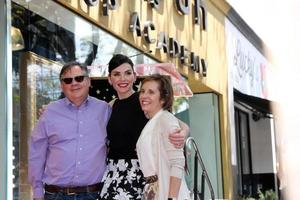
[42, 198]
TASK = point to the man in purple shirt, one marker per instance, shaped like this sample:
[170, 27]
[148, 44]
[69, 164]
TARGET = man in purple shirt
[68, 145]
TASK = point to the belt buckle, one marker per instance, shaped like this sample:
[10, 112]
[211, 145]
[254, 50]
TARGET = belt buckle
[70, 193]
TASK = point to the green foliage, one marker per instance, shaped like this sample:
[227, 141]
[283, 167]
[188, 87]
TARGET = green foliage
[268, 195]
[246, 198]
[178, 103]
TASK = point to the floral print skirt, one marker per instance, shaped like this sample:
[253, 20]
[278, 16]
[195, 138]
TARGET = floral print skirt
[122, 180]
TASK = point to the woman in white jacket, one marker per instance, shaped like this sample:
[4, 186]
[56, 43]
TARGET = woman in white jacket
[161, 163]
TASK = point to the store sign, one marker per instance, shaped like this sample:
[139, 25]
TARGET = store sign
[200, 13]
[249, 70]
[183, 7]
[170, 46]
[106, 5]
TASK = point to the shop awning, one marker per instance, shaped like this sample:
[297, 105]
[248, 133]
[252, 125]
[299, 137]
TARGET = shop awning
[179, 84]
[259, 104]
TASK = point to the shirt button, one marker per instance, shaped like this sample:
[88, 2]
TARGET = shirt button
[80, 122]
[79, 163]
[80, 148]
[80, 135]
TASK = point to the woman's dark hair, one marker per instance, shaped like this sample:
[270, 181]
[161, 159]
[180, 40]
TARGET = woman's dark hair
[165, 89]
[118, 60]
[69, 65]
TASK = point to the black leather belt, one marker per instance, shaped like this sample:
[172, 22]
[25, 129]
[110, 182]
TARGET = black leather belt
[72, 190]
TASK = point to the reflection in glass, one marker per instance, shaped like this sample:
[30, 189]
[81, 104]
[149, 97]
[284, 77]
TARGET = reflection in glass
[39, 85]
[17, 41]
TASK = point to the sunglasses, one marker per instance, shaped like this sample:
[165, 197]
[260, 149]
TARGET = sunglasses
[78, 79]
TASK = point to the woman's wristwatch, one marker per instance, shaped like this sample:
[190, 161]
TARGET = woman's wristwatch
[171, 198]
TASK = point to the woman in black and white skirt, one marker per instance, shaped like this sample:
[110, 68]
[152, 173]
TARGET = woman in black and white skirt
[123, 178]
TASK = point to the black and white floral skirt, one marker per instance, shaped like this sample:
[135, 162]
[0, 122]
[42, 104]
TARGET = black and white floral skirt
[122, 180]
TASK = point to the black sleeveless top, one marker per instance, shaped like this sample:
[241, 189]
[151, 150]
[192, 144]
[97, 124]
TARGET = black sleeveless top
[124, 127]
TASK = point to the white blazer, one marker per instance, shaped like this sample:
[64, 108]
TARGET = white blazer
[157, 156]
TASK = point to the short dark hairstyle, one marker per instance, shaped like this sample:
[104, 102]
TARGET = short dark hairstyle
[69, 65]
[118, 60]
[165, 89]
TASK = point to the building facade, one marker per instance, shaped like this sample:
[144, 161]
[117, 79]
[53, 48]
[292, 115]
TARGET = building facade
[40, 36]
[251, 76]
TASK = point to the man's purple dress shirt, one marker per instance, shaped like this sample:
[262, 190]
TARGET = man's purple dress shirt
[68, 145]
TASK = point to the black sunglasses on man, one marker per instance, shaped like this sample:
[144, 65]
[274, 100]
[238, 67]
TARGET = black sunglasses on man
[69, 80]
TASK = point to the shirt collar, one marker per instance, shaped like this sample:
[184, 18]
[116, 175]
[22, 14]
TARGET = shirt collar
[85, 102]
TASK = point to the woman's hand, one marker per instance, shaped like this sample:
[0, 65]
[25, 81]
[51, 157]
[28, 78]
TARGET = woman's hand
[42, 110]
[178, 136]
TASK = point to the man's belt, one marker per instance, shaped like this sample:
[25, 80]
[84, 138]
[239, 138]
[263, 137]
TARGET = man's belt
[72, 190]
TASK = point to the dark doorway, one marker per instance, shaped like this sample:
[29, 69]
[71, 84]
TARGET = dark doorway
[244, 163]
